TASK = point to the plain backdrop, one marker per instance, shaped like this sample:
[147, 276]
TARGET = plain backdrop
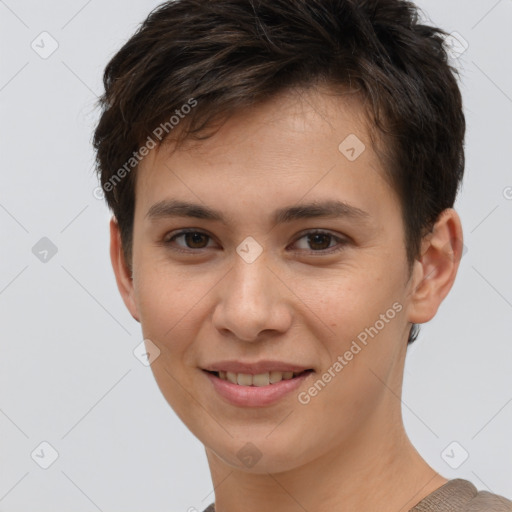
[68, 375]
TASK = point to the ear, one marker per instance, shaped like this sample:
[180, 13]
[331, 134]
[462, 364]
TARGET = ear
[434, 272]
[122, 272]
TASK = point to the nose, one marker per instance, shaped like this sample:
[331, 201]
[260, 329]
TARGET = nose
[253, 302]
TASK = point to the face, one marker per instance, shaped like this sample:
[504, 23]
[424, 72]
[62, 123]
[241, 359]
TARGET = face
[302, 266]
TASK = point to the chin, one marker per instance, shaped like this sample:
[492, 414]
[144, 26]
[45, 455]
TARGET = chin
[261, 455]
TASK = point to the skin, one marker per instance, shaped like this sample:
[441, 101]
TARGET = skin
[347, 448]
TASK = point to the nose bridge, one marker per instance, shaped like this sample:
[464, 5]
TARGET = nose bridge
[250, 279]
[249, 301]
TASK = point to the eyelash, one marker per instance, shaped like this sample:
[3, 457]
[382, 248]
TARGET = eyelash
[341, 241]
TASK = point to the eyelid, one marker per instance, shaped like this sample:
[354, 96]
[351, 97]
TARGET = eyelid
[168, 238]
[184, 231]
[342, 241]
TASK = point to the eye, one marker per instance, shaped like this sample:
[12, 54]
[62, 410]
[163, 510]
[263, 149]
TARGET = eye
[193, 239]
[320, 241]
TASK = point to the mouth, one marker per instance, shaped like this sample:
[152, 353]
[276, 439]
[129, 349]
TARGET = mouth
[255, 390]
[258, 380]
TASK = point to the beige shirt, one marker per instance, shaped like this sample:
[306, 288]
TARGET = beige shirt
[455, 496]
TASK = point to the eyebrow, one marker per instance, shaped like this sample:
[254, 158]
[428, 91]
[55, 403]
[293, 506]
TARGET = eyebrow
[169, 208]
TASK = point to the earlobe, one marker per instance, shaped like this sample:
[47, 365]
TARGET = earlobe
[121, 271]
[436, 269]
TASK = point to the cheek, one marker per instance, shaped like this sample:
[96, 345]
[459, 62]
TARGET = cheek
[342, 303]
[162, 300]
[169, 306]
[173, 307]
[362, 357]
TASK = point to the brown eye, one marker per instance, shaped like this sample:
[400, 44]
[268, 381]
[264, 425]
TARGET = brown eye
[315, 242]
[192, 239]
[195, 240]
[321, 242]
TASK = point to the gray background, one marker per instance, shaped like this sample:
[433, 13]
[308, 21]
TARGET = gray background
[68, 375]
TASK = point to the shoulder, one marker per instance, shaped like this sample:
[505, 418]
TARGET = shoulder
[486, 501]
[455, 496]
[462, 496]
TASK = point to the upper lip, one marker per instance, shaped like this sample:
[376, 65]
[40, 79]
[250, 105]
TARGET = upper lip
[255, 368]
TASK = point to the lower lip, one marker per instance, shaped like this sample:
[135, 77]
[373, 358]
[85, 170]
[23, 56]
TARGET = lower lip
[255, 396]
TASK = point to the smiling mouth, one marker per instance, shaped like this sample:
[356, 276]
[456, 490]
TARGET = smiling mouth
[261, 379]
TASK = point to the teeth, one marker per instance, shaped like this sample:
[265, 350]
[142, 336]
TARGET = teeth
[244, 379]
[262, 379]
[275, 377]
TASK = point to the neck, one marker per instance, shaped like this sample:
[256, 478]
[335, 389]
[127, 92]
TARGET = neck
[378, 469]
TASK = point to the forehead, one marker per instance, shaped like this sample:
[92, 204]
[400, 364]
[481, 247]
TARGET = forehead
[298, 144]
[291, 115]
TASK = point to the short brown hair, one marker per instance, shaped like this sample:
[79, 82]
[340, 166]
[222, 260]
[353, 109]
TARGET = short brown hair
[226, 55]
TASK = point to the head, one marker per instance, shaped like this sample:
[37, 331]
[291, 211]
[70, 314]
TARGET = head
[260, 113]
